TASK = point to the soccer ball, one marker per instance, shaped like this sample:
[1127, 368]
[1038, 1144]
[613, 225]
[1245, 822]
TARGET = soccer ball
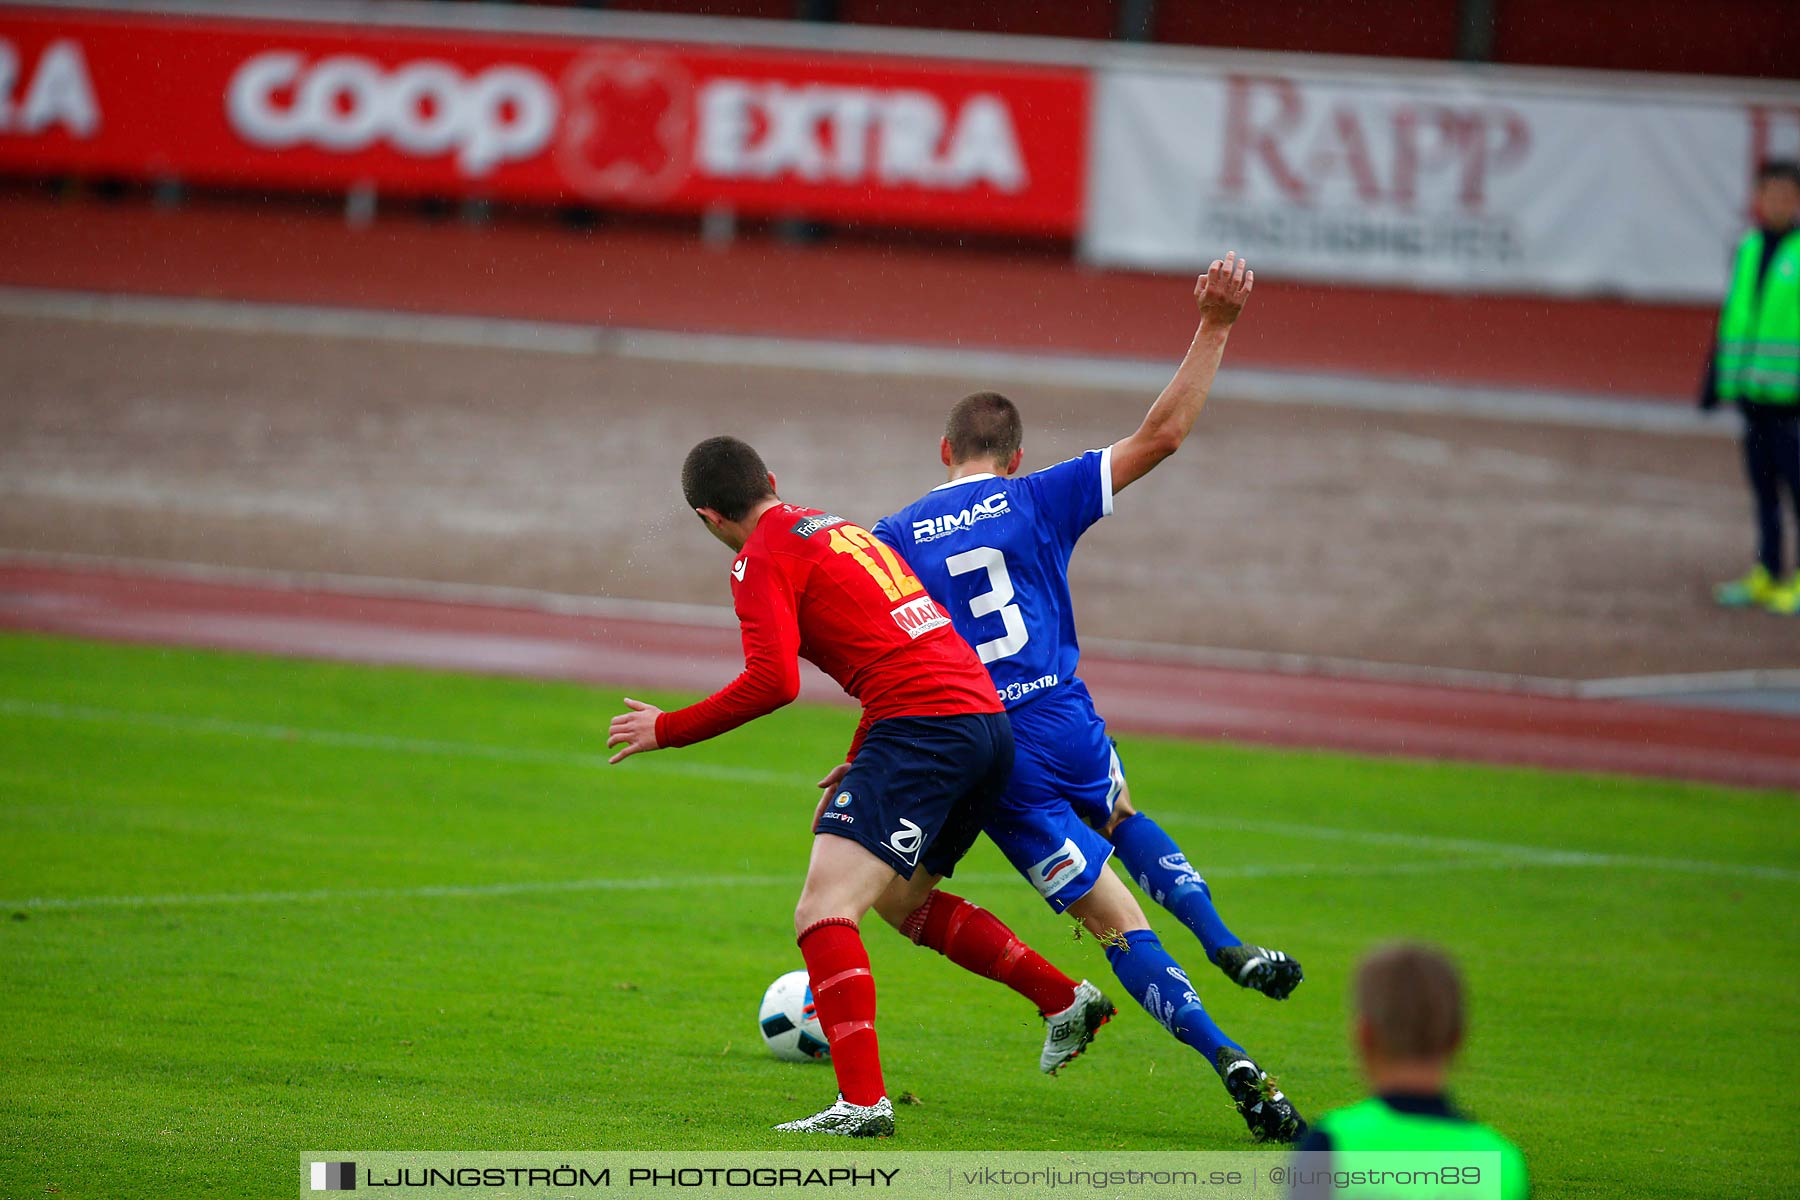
[790, 1022]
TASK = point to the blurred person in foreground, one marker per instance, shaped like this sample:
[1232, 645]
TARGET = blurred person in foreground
[1756, 365]
[1408, 1026]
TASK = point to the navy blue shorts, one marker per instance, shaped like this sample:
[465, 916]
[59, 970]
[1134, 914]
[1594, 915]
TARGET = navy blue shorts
[921, 788]
[1061, 794]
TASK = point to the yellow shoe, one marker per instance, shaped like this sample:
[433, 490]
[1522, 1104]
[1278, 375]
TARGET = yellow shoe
[1784, 601]
[1756, 588]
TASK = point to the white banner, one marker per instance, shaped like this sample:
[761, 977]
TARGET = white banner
[1453, 181]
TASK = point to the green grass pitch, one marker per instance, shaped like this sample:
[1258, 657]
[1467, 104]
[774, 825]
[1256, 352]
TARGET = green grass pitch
[438, 921]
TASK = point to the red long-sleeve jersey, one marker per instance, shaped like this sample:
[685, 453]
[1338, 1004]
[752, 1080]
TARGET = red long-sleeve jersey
[811, 585]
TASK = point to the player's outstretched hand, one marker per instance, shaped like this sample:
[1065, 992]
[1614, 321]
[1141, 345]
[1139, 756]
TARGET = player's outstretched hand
[1223, 291]
[634, 730]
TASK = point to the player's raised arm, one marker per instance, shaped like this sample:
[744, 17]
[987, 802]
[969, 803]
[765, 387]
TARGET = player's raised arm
[1221, 294]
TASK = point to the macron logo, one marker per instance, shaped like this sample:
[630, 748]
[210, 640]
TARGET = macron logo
[933, 528]
[919, 617]
[737, 569]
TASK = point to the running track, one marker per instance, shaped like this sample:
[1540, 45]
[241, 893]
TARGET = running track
[636, 278]
[1414, 720]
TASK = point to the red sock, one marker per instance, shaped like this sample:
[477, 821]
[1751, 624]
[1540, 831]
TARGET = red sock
[844, 991]
[975, 940]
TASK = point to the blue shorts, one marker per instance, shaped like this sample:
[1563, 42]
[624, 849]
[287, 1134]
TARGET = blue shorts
[921, 788]
[1065, 780]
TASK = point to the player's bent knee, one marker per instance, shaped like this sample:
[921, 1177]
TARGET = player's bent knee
[1121, 810]
[895, 910]
[1110, 907]
[811, 910]
[901, 900]
[818, 904]
[825, 904]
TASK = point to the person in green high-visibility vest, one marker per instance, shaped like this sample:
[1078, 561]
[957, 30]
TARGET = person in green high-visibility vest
[1756, 365]
[1408, 1026]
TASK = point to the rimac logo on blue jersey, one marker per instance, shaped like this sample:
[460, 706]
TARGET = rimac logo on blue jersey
[932, 528]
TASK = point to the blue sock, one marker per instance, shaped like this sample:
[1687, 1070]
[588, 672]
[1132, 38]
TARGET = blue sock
[1158, 983]
[1162, 870]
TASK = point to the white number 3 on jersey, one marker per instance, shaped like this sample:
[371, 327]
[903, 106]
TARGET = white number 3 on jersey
[997, 599]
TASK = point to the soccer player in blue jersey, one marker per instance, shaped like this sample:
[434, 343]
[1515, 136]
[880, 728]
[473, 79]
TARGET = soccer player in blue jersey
[993, 549]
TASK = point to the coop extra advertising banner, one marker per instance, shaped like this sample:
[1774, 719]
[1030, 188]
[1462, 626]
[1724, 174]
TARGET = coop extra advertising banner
[1434, 179]
[938, 143]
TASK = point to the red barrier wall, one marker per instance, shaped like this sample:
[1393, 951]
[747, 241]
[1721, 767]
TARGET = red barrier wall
[959, 145]
[1721, 37]
[1724, 37]
[1382, 28]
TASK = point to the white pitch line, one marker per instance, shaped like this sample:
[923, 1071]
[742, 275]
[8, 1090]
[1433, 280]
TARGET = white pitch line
[373, 741]
[662, 612]
[1502, 853]
[651, 883]
[1255, 385]
[425, 892]
[1538, 856]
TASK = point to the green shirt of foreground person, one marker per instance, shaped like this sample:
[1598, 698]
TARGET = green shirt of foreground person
[1408, 1027]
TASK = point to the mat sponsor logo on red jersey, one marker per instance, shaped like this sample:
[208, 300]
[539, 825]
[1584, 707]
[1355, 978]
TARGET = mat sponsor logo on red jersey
[920, 617]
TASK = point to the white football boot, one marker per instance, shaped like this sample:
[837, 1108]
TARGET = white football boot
[1070, 1030]
[845, 1119]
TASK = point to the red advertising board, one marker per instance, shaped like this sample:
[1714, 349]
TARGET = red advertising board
[548, 119]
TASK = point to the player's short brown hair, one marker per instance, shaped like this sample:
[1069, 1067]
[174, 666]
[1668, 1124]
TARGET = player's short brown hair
[984, 425]
[1771, 169]
[1411, 996]
[725, 475]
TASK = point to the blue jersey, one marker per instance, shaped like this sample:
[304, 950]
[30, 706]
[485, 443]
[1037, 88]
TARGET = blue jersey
[994, 553]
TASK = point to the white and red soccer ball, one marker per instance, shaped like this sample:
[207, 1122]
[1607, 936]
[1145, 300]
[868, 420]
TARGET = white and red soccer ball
[790, 1020]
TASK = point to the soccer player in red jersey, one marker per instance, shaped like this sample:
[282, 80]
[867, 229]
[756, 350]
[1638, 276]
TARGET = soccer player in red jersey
[928, 761]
